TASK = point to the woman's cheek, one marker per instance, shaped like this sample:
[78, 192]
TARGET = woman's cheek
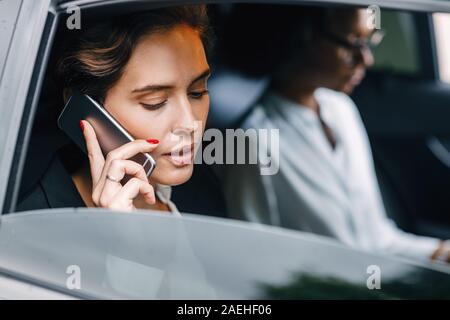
[150, 124]
[202, 112]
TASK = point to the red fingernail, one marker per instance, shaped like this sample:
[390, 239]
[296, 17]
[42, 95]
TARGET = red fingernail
[152, 141]
[82, 125]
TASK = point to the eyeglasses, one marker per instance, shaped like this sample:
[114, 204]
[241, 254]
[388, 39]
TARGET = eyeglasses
[355, 45]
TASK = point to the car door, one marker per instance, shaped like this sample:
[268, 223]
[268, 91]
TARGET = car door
[150, 255]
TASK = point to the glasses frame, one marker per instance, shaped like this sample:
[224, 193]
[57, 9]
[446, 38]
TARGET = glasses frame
[356, 47]
[358, 44]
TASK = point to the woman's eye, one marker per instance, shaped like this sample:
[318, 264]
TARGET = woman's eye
[198, 94]
[154, 106]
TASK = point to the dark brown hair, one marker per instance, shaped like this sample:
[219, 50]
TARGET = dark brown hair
[93, 61]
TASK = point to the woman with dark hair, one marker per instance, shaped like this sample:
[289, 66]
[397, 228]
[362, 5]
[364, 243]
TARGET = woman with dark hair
[149, 71]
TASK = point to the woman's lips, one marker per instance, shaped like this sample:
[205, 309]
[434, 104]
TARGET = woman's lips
[181, 156]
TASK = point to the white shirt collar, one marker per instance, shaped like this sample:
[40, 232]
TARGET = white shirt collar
[289, 107]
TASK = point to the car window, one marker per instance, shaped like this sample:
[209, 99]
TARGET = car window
[148, 255]
[399, 51]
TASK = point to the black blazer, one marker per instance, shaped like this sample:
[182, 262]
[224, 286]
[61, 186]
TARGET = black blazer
[55, 188]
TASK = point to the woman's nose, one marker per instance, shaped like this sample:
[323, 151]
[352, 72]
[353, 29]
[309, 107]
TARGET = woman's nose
[366, 57]
[186, 123]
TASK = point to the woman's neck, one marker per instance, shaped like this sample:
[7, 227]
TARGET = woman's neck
[83, 182]
[298, 90]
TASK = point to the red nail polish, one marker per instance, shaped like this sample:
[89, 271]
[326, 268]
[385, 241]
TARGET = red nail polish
[82, 125]
[152, 141]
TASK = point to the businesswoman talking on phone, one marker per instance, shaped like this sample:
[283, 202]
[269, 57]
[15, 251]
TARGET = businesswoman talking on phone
[149, 70]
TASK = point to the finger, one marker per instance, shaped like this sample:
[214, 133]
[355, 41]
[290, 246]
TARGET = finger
[132, 148]
[106, 196]
[95, 155]
[117, 170]
[132, 189]
[126, 151]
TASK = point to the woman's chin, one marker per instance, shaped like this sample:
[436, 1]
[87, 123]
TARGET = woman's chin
[173, 175]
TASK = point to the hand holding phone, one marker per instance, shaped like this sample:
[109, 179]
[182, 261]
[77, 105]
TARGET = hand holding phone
[106, 173]
[110, 134]
[119, 164]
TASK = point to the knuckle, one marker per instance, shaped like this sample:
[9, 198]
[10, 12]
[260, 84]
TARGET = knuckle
[116, 163]
[135, 167]
[148, 189]
[90, 155]
[141, 170]
[135, 180]
[104, 203]
[95, 197]
[111, 155]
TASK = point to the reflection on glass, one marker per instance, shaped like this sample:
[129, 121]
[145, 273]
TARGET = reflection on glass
[414, 285]
[168, 275]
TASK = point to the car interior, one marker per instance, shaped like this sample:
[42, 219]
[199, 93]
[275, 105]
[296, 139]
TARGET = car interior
[403, 104]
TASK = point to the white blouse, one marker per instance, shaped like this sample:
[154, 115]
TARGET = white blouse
[317, 189]
[164, 193]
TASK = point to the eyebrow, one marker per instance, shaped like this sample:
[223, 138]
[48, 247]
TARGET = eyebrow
[205, 74]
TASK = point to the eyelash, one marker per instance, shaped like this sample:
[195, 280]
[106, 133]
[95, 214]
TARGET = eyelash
[199, 95]
[194, 95]
[154, 106]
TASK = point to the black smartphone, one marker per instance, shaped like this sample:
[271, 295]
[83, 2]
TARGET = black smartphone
[110, 134]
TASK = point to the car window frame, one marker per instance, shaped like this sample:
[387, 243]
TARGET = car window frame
[43, 23]
[19, 74]
[427, 47]
[416, 5]
[8, 17]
